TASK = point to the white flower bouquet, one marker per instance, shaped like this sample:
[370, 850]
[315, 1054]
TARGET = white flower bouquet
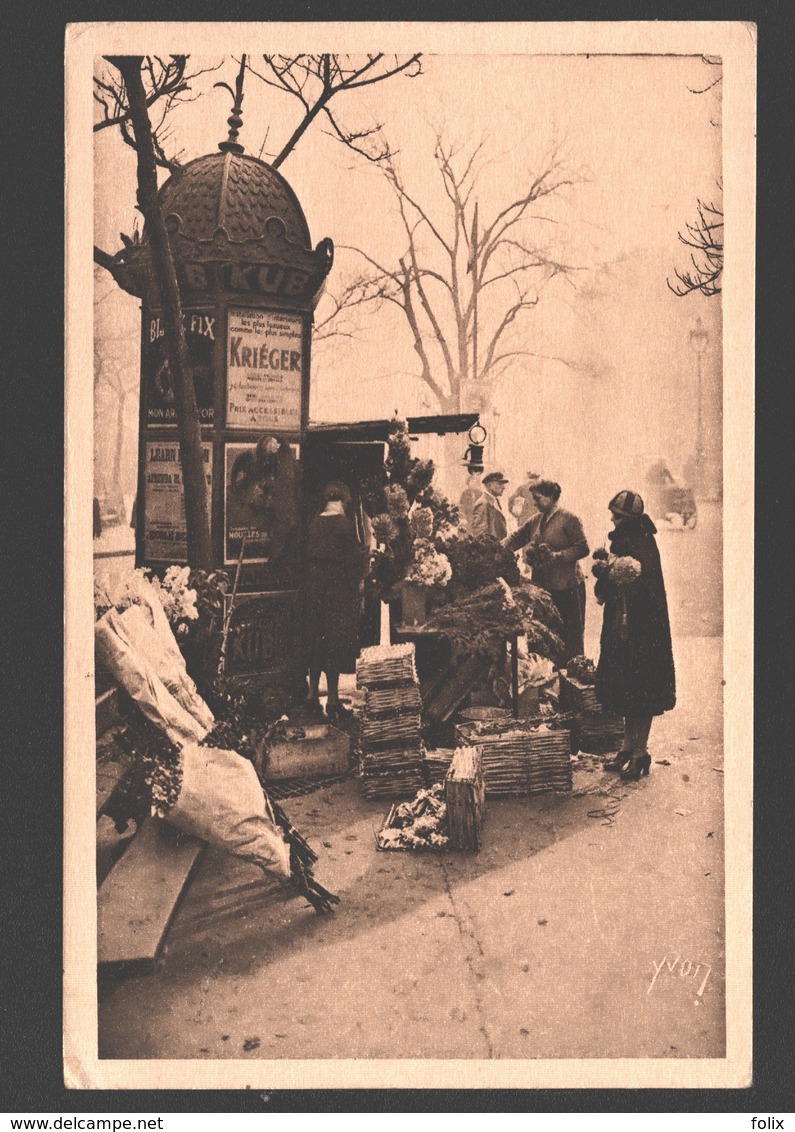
[622, 570]
[429, 568]
[177, 598]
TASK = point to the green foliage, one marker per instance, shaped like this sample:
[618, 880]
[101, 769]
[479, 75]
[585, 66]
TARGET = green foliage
[476, 562]
[480, 622]
[154, 779]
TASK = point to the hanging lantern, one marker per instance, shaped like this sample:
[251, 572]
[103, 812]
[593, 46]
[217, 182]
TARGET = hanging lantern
[473, 457]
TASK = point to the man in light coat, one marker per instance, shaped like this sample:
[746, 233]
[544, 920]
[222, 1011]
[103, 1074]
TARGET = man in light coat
[488, 517]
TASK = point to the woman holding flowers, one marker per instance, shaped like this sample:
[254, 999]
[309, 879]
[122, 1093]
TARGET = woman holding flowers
[635, 675]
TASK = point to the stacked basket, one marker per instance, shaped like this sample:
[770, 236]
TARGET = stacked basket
[390, 740]
[595, 730]
[437, 763]
[521, 756]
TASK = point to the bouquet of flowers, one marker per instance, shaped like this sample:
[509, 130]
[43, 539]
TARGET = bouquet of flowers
[481, 622]
[622, 570]
[429, 568]
[407, 515]
[177, 598]
[120, 596]
[581, 669]
[538, 554]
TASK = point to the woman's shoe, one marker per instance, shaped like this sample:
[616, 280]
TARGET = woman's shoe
[639, 766]
[338, 711]
[620, 760]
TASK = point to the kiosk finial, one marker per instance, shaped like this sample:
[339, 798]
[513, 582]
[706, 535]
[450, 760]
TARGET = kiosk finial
[232, 145]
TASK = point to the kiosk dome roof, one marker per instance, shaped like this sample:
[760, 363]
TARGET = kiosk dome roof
[236, 192]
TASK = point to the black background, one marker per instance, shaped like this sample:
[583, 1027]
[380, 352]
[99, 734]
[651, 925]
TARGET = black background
[32, 671]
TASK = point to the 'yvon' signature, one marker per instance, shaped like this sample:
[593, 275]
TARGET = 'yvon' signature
[686, 970]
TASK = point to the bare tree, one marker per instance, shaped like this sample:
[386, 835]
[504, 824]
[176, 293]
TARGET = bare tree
[314, 80]
[704, 235]
[167, 82]
[463, 283]
[188, 427]
[115, 383]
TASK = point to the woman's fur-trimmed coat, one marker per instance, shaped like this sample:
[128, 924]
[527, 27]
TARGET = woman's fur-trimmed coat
[635, 674]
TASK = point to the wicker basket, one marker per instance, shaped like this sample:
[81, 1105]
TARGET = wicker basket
[465, 795]
[522, 759]
[437, 763]
[393, 784]
[473, 714]
[578, 697]
[598, 734]
[386, 666]
[381, 734]
[387, 703]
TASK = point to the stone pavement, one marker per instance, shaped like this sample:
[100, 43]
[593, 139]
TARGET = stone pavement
[589, 926]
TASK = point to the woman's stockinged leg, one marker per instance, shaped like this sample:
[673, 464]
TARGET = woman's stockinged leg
[636, 730]
[333, 687]
[335, 709]
[636, 733]
[314, 683]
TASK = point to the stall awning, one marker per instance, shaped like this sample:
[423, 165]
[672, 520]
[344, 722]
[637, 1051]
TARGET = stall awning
[379, 430]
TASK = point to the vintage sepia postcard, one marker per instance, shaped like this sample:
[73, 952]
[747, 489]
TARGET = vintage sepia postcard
[409, 418]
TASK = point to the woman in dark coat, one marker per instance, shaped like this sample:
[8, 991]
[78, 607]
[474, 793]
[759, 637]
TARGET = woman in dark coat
[335, 567]
[635, 675]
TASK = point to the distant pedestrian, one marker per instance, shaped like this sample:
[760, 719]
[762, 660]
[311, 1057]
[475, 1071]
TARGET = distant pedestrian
[488, 517]
[469, 496]
[520, 502]
[555, 542]
[635, 676]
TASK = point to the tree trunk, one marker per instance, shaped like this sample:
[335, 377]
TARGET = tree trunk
[189, 430]
[117, 491]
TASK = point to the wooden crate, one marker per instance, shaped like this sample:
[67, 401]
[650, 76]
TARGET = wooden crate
[138, 899]
[452, 688]
[465, 797]
[313, 751]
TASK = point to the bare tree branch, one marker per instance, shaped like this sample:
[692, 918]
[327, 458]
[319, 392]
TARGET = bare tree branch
[705, 238]
[167, 82]
[448, 264]
[314, 80]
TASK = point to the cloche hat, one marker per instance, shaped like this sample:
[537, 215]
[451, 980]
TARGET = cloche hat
[626, 503]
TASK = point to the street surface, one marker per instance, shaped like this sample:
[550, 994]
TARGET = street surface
[589, 926]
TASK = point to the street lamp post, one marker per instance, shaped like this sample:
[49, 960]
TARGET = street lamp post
[495, 416]
[699, 337]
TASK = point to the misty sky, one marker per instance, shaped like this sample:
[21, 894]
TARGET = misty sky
[641, 146]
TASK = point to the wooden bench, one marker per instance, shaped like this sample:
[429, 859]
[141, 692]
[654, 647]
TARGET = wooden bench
[138, 898]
